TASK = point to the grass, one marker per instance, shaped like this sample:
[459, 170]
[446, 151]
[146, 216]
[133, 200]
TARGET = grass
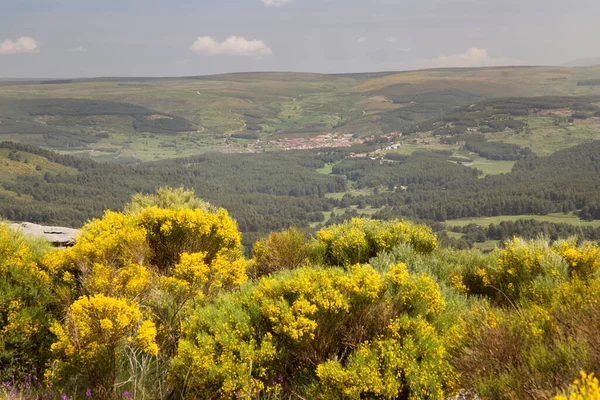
[326, 170]
[455, 235]
[352, 192]
[501, 82]
[545, 138]
[488, 167]
[491, 167]
[487, 246]
[555, 218]
[29, 164]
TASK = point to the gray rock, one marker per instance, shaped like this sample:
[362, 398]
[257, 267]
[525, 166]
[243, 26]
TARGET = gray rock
[56, 235]
[464, 395]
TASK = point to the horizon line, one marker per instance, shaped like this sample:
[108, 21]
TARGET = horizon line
[40, 79]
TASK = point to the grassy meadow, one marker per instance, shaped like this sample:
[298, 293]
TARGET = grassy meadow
[557, 218]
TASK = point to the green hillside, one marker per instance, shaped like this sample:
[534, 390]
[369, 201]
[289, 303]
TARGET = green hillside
[129, 120]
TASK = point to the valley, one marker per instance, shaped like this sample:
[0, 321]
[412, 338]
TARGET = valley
[447, 145]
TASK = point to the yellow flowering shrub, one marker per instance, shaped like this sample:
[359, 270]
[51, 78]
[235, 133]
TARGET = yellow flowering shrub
[522, 262]
[223, 354]
[576, 295]
[171, 232]
[583, 261]
[360, 239]
[476, 277]
[337, 333]
[409, 358]
[161, 258]
[415, 293]
[457, 282]
[166, 197]
[584, 388]
[189, 282]
[115, 240]
[547, 339]
[294, 305]
[60, 265]
[151, 237]
[91, 340]
[27, 304]
[146, 338]
[131, 281]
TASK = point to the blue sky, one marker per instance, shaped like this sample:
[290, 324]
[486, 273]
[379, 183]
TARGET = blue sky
[76, 38]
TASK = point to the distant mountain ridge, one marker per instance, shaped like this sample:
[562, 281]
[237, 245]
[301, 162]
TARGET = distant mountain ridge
[583, 62]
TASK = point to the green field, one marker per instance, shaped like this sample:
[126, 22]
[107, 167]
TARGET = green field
[554, 218]
[326, 170]
[491, 167]
[545, 137]
[488, 245]
[488, 167]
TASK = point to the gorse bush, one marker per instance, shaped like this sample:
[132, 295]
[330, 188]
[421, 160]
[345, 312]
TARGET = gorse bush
[386, 368]
[584, 388]
[159, 303]
[167, 198]
[27, 305]
[133, 279]
[583, 261]
[522, 265]
[330, 333]
[360, 239]
[170, 232]
[95, 332]
[536, 343]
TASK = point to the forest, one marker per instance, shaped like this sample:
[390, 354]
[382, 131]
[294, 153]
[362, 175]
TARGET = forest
[271, 191]
[159, 302]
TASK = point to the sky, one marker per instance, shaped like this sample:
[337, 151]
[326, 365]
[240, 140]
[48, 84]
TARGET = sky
[87, 38]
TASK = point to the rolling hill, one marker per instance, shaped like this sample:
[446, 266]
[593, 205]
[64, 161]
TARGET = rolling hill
[128, 120]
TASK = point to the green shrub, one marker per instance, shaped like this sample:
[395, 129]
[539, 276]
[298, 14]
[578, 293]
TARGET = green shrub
[278, 251]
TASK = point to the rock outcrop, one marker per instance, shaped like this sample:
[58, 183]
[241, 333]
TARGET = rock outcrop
[56, 235]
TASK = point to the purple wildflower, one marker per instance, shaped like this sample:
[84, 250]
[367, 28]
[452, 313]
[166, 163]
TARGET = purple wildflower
[88, 392]
[127, 394]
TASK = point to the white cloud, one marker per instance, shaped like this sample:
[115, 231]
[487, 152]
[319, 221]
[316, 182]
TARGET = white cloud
[232, 46]
[276, 3]
[78, 49]
[473, 57]
[21, 45]
[391, 39]
[362, 39]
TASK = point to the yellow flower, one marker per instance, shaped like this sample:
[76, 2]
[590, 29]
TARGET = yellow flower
[146, 337]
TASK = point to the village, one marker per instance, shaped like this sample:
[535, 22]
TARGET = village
[327, 140]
